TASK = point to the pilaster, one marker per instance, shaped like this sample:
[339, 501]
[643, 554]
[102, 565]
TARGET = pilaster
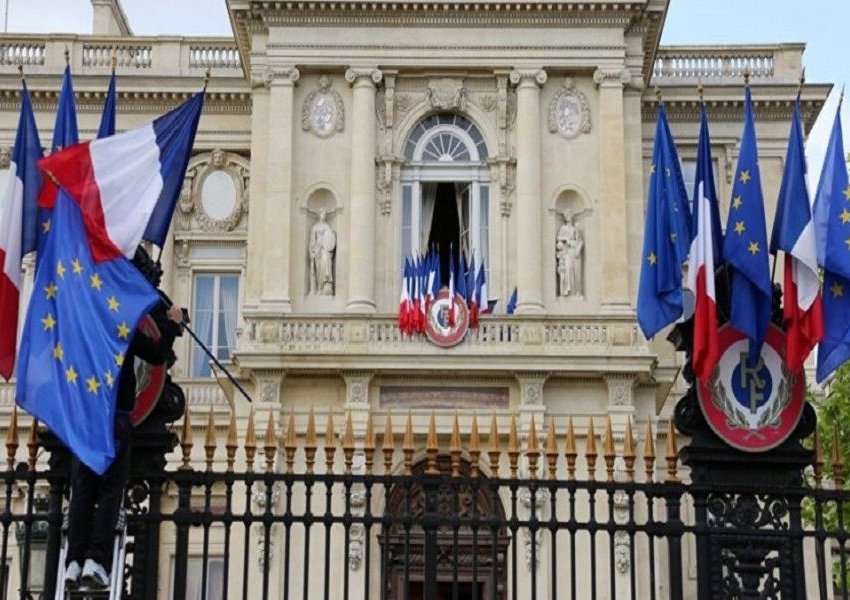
[529, 266]
[357, 401]
[361, 217]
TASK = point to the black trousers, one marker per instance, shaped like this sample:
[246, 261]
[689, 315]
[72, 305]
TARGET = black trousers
[96, 502]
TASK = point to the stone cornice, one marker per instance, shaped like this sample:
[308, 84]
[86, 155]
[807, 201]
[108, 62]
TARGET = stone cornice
[733, 110]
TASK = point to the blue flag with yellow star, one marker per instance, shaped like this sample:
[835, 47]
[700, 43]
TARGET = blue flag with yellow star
[745, 243]
[666, 238]
[80, 321]
[832, 227]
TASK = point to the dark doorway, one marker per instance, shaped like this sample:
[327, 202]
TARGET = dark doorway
[445, 227]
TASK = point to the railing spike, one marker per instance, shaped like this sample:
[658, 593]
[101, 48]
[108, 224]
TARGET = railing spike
[210, 442]
[12, 440]
[649, 454]
[432, 448]
[310, 443]
[369, 445]
[590, 453]
[818, 462]
[837, 460]
[32, 445]
[571, 452]
[388, 444]
[330, 443]
[474, 447]
[348, 443]
[552, 448]
[408, 448]
[608, 451]
[232, 443]
[672, 454]
[270, 443]
[454, 447]
[495, 451]
[290, 442]
[532, 448]
[186, 440]
[513, 447]
[250, 442]
[629, 451]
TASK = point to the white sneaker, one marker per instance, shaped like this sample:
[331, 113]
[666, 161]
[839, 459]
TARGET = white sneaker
[72, 575]
[94, 575]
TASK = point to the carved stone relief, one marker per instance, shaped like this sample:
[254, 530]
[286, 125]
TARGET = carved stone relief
[447, 94]
[215, 191]
[569, 111]
[323, 112]
[322, 252]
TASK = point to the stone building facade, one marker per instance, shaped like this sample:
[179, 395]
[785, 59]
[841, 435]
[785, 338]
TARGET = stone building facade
[329, 127]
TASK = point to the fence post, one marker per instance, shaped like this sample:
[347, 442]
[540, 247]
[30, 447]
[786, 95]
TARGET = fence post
[673, 502]
[430, 523]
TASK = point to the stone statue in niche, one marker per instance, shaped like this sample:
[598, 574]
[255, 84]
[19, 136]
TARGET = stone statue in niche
[569, 252]
[322, 249]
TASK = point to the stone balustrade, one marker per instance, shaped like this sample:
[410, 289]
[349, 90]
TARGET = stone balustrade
[711, 64]
[88, 54]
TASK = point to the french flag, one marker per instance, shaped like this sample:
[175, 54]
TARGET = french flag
[404, 300]
[127, 184]
[481, 284]
[18, 227]
[794, 234]
[706, 346]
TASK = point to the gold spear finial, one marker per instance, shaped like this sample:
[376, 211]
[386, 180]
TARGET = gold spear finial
[571, 452]
[658, 95]
[672, 454]
[250, 442]
[270, 443]
[474, 447]
[747, 74]
[629, 451]
[67, 55]
[369, 445]
[608, 451]
[408, 448]
[113, 61]
[552, 449]
[454, 447]
[494, 451]
[21, 73]
[232, 443]
[432, 448]
[387, 444]
[310, 443]
[210, 441]
[290, 442]
[590, 451]
[32, 445]
[348, 444]
[330, 443]
[206, 79]
[532, 449]
[186, 440]
[12, 440]
[513, 447]
[649, 454]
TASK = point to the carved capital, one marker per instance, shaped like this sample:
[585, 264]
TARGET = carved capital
[529, 76]
[356, 75]
[612, 77]
[280, 76]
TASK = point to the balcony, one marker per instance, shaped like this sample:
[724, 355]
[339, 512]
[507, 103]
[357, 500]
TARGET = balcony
[718, 65]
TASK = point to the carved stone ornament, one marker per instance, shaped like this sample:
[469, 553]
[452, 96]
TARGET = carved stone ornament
[617, 76]
[488, 102]
[215, 192]
[5, 157]
[446, 94]
[569, 111]
[323, 112]
[355, 74]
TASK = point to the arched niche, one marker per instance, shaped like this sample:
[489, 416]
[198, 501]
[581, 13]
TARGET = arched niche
[321, 205]
[570, 208]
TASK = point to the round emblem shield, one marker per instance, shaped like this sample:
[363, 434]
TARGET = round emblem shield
[440, 328]
[150, 379]
[752, 407]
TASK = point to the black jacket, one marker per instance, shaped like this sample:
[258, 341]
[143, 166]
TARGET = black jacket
[155, 352]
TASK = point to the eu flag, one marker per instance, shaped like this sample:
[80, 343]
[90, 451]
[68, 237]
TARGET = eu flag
[80, 321]
[832, 225]
[666, 238]
[107, 118]
[745, 243]
[65, 132]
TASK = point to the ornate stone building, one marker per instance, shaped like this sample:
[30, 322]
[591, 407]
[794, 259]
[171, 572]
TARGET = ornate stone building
[334, 137]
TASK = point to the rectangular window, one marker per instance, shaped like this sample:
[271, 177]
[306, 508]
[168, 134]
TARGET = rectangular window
[214, 318]
[215, 578]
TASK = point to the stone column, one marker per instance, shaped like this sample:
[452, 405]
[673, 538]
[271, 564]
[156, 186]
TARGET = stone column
[529, 268]
[277, 226]
[615, 282]
[361, 216]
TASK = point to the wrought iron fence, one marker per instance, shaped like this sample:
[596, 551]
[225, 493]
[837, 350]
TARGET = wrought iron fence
[542, 515]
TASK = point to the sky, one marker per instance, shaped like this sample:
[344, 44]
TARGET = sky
[817, 23]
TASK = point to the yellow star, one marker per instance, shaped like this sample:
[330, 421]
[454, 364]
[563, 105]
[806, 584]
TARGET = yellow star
[737, 202]
[45, 226]
[123, 331]
[837, 289]
[652, 170]
[845, 216]
[745, 176]
[60, 269]
[739, 227]
[110, 380]
[49, 322]
[77, 266]
[95, 281]
[93, 384]
[50, 291]
[71, 375]
[58, 352]
[753, 248]
[847, 192]
[113, 303]
[652, 258]
[119, 359]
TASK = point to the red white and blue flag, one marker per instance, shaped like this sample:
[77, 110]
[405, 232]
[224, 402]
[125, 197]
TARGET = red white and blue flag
[18, 227]
[703, 253]
[794, 234]
[127, 184]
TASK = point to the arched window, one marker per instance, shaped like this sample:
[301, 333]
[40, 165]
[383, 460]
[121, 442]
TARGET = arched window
[445, 189]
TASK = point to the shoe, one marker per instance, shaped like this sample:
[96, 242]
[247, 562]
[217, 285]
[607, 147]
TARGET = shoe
[72, 575]
[94, 575]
